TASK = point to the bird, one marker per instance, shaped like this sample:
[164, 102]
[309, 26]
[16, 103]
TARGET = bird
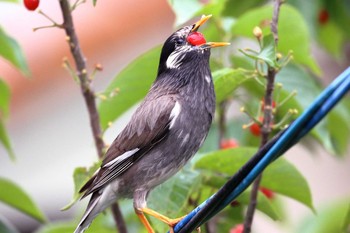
[163, 134]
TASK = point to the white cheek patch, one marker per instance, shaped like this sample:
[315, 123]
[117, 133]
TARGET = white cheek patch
[175, 112]
[121, 158]
[174, 60]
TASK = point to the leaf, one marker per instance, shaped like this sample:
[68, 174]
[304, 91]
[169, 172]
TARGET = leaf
[184, 10]
[94, 2]
[171, 197]
[334, 139]
[333, 44]
[264, 204]
[132, 83]
[226, 81]
[12, 52]
[6, 226]
[14, 196]
[339, 13]
[267, 53]
[238, 7]
[280, 176]
[101, 225]
[339, 136]
[80, 176]
[5, 141]
[292, 31]
[4, 99]
[58, 227]
[11, 1]
[334, 217]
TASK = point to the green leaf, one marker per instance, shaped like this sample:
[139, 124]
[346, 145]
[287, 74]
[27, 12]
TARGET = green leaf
[4, 99]
[60, 227]
[264, 204]
[171, 197]
[339, 13]
[226, 81]
[339, 136]
[5, 140]
[280, 176]
[6, 226]
[184, 10]
[132, 83]
[80, 176]
[238, 7]
[333, 44]
[11, 1]
[334, 139]
[94, 2]
[12, 52]
[267, 53]
[292, 32]
[101, 224]
[4, 111]
[14, 196]
[334, 217]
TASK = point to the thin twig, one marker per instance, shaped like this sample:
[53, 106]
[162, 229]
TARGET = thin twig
[268, 117]
[88, 93]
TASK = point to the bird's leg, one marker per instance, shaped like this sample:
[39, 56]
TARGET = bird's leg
[171, 222]
[144, 220]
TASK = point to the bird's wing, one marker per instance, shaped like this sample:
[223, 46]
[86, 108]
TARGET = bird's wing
[147, 127]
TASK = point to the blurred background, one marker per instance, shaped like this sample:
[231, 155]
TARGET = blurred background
[48, 122]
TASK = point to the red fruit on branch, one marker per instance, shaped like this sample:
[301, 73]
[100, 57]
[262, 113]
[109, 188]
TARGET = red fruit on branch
[31, 4]
[228, 143]
[323, 16]
[267, 192]
[255, 129]
[263, 104]
[235, 203]
[237, 229]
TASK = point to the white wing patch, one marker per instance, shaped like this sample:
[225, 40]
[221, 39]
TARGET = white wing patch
[175, 112]
[121, 157]
[207, 78]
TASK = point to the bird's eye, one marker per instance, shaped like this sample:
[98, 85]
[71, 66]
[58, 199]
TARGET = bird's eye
[179, 41]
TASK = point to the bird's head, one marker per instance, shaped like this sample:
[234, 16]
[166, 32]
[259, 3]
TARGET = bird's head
[184, 45]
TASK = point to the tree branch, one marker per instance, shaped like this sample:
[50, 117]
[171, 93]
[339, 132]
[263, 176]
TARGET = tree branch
[268, 117]
[88, 94]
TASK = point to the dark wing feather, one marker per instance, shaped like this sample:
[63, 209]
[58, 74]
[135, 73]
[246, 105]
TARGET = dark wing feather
[147, 127]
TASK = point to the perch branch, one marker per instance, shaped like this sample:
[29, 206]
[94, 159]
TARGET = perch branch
[88, 94]
[268, 117]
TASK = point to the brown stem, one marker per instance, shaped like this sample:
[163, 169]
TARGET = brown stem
[266, 125]
[118, 218]
[222, 121]
[88, 93]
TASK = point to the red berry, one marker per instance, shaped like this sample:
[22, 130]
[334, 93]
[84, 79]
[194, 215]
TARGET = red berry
[196, 38]
[237, 229]
[235, 203]
[323, 16]
[255, 129]
[31, 4]
[263, 104]
[228, 143]
[267, 192]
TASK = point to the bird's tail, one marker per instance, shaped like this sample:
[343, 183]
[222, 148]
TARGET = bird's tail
[99, 202]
